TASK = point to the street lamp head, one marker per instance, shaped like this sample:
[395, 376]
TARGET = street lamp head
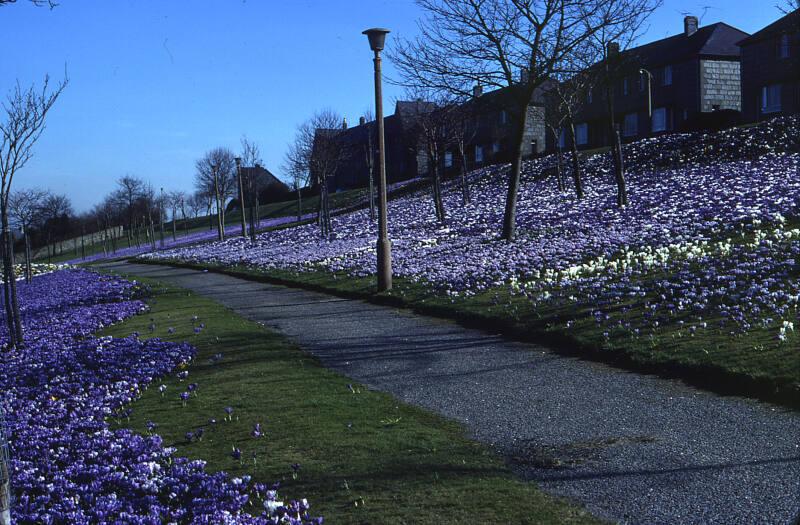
[377, 38]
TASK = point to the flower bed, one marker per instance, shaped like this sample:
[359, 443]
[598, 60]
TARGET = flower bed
[67, 465]
[556, 231]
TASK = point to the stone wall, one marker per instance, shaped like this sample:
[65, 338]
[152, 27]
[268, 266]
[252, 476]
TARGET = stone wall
[535, 130]
[720, 85]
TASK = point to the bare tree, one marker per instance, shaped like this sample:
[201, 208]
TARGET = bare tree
[317, 152]
[565, 98]
[23, 122]
[251, 161]
[26, 208]
[176, 201]
[196, 203]
[38, 3]
[56, 213]
[128, 194]
[295, 165]
[789, 6]
[216, 176]
[516, 44]
[369, 157]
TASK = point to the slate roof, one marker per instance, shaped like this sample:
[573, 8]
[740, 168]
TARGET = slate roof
[787, 24]
[712, 41]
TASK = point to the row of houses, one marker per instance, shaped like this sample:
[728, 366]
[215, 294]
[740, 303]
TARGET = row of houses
[703, 77]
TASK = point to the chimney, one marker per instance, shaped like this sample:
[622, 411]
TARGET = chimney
[689, 25]
[612, 50]
[362, 121]
[477, 91]
[524, 77]
[344, 123]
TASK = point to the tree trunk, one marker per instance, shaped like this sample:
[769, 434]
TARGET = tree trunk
[299, 203]
[465, 196]
[616, 149]
[510, 215]
[371, 185]
[174, 224]
[28, 269]
[576, 163]
[11, 280]
[12, 340]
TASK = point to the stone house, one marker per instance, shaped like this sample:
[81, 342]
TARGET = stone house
[695, 83]
[771, 70]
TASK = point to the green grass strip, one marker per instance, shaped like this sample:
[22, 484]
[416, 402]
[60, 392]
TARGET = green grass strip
[364, 457]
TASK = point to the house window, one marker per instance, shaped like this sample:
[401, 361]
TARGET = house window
[667, 75]
[641, 83]
[631, 126]
[659, 120]
[478, 154]
[503, 117]
[771, 98]
[582, 134]
[589, 96]
[625, 86]
[448, 159]
[783, 47]
[496, 147]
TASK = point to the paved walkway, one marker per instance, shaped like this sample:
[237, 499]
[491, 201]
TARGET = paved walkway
[631, 448]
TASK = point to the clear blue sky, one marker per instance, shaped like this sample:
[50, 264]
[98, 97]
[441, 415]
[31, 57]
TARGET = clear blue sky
[154, 84]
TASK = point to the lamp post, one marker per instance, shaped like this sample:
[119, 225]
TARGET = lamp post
[649, 77]
[241, 194]
[161, 218]
[377, 38]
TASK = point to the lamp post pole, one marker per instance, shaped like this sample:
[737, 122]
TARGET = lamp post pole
[649, 77]
[377, 38]
[161, 217]
[241, 194]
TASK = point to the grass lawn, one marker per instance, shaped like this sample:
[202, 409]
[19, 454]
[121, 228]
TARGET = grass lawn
[753, 364]
[364, 457]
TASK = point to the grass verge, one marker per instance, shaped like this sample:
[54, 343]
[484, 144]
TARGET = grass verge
[364, 457]
[751, 365]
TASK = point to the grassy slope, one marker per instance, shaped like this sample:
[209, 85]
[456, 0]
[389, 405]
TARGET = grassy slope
[343, 199]
[365, 458]
[753, 365]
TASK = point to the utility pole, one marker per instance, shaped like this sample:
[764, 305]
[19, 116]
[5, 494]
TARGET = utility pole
[241, 194]
[377, 39]
[161, 217]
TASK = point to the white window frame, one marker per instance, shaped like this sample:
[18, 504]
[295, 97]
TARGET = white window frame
[478, 153]
[659, 120]
[448, 159]
[625, 86]
[667, 75]
[630, 127]
[503, 117]
[495, 147]
[582, 134]
[589, 96]
[771, 98]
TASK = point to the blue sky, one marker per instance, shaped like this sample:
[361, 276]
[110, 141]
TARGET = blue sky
[154, 84]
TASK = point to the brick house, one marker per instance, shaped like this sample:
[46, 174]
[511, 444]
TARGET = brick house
[771, 70]
[488, 139]
[403, 160]
[489, 130]
[695, 82]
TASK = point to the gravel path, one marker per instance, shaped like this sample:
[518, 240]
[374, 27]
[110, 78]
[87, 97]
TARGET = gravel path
[631, 448]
